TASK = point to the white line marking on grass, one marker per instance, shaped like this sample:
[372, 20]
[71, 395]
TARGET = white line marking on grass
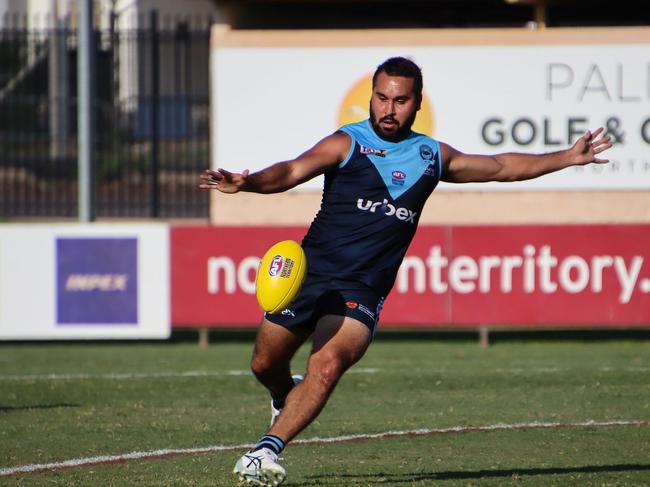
[166, 453]
[247, 373]
[152, 375]
[473, 429]
[123, 376]
[363, 370]
[108, 459]
[638, 369]
[530, 370]
[128, 375]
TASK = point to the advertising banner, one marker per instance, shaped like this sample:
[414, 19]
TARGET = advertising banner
[527, 275]
[536, 92]
[452, 276]
[84, 281]
[97, 280]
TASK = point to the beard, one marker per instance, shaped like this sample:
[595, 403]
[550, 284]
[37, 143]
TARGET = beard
[402, 131]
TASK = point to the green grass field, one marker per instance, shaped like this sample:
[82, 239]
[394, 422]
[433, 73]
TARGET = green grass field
[68, 401]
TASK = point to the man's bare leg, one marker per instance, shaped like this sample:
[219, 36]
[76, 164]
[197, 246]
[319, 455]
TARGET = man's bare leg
[275, 346]
[339, 342]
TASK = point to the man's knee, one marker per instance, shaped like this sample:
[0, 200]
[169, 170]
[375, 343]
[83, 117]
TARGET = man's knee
[261, 365]
[326, 368]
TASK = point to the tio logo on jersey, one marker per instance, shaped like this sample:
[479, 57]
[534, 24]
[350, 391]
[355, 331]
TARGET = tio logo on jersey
[403, 214]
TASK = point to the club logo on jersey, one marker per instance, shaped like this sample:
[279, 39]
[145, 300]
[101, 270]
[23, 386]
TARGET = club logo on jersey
[398, 177]
[374, 152]
[403, 214]
[276, 265]
[426, 152]
[352, 304]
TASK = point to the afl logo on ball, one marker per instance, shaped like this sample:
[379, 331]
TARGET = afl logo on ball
[276, 265]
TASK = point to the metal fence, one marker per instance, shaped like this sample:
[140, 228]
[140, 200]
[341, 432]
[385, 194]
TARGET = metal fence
[151, 108]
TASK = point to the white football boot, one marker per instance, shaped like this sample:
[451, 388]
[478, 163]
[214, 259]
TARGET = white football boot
[297, 379]
[260, 467]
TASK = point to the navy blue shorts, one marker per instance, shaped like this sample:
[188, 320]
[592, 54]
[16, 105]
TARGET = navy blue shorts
[322, 296]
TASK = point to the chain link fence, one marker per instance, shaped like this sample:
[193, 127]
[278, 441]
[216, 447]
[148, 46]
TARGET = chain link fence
[151, 109]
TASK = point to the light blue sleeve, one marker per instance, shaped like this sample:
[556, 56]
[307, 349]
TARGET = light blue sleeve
[437, 144]
[346, 130]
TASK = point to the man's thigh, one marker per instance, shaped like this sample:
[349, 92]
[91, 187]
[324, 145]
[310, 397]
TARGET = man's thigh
[341, 338]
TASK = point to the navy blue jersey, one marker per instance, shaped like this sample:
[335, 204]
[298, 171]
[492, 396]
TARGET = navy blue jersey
[371, 206]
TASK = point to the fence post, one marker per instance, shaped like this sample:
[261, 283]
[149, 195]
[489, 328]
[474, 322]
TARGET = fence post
[86, 100]
[155, 132]
[484, 336]
[58, 88]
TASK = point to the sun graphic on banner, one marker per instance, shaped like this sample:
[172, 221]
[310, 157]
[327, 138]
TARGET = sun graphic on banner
[354, 107]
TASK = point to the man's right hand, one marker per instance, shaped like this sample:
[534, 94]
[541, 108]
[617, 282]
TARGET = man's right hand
[224, 181]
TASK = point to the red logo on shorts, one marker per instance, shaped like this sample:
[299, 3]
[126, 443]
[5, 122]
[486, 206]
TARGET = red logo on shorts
[352, 304]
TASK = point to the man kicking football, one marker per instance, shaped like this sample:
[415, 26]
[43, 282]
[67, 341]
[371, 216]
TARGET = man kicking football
[357, 241]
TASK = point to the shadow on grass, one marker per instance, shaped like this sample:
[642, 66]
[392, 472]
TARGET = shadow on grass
[407, 478]
[9, 409]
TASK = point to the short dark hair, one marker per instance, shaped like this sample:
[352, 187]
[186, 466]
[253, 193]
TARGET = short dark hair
[401, 66]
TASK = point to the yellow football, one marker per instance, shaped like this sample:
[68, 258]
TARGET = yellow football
[280, 276]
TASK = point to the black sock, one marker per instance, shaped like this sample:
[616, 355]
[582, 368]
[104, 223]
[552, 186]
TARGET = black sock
[278, 402]
[271, 442]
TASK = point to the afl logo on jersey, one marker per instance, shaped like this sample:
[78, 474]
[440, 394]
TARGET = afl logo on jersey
[426, 152]
[276, 265]
[398, 177]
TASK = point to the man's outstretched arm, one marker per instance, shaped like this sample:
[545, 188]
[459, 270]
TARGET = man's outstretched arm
[512, 166]
[282, 176]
